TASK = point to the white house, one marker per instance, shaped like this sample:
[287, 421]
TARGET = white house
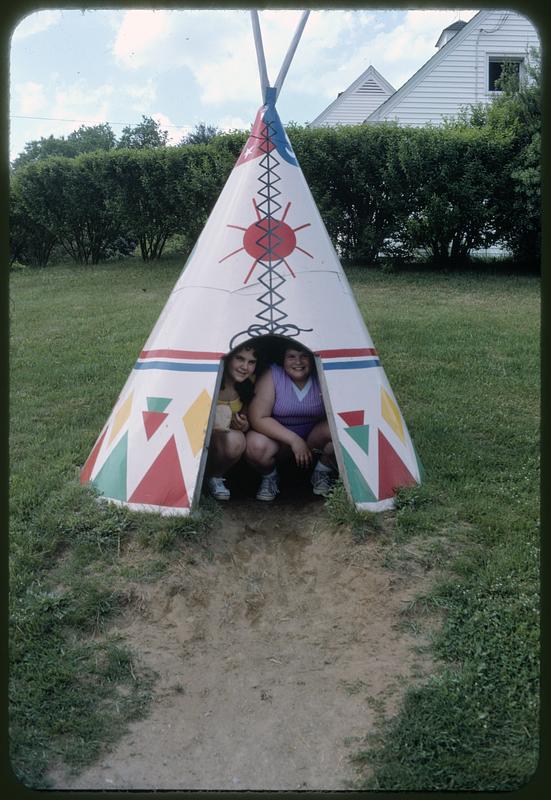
[352, 106]
[463, 71]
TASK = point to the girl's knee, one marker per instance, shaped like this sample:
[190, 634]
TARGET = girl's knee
[259, 447]
[235, 444]
[254, 445]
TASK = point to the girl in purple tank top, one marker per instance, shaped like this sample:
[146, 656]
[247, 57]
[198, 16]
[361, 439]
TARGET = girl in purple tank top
[297, 409]
[287, 418]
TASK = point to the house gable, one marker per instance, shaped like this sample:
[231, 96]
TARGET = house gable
[458, 74]
[361, 98]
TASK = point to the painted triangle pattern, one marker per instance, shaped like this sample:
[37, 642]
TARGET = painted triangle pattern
[110, 481]
[163, 484]
[157, 403]
[152, 420]
[88, 467]
[360, 434]
[393, 473]
[391, 413]
[195, 420]
[121, 417]
[359, 488]
[353, 418]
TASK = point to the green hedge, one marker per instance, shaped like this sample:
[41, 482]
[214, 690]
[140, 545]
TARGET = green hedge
[383, 192]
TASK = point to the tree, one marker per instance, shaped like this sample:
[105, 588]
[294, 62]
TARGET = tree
[453, 177]
[39, 149]
[74, 200]
[357, 184]
[31, 242]
[90, 138]
[517, 112]
[201, 134]
[87, 139]
[147, 133]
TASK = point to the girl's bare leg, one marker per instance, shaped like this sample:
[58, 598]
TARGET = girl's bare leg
[319, 439]
[261, 452]
[225, 450]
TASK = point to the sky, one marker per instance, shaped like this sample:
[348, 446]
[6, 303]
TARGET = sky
[181, 67]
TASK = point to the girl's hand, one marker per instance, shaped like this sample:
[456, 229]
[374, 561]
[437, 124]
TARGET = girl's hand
[301, 452]
[240, 422]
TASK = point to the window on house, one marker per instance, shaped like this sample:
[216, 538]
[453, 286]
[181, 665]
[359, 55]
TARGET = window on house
[498, 68]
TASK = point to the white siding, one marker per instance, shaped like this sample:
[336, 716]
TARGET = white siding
[457, 75]
[358, 101]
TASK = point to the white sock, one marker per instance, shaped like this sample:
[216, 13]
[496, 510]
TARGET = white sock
[322, 468]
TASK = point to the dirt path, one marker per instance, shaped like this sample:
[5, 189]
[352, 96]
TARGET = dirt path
[272, 655]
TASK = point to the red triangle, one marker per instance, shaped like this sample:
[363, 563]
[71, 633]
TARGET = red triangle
[392, 470]
[163, 484]
[91, 460]
[257, 144]
[152, 420]
[352, 418]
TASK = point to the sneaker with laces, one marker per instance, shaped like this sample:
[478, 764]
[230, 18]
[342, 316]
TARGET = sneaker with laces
[269, 487]
[218, 489]
[322, 482]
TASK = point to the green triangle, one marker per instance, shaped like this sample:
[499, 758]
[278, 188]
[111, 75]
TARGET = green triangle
[111, 479]
[360, 434]
[361, 493]
[157, 403]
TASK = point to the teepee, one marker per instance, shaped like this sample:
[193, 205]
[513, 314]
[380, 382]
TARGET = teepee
[264, 265]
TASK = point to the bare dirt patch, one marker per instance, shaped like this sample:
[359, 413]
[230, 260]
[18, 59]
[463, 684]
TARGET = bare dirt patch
[275, 649]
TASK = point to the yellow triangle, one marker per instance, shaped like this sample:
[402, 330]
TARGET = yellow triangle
[196, 419]
[390, 412]
[121, 416]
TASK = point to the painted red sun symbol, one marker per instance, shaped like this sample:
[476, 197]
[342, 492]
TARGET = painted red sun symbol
[268, 242]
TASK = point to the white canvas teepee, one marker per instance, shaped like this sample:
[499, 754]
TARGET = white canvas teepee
[264, 265]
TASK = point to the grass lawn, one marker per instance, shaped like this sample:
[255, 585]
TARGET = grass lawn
[462, 356]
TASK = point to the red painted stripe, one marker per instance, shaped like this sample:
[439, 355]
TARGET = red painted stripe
[190, 354]
[352, 351]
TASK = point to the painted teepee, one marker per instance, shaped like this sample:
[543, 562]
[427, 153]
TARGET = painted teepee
[263, 265]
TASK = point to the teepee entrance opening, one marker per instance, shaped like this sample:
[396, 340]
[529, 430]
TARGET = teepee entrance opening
[270, 352]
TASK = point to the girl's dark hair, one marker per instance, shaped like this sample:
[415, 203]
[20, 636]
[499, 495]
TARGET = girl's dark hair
[245, 390]
[291, 344]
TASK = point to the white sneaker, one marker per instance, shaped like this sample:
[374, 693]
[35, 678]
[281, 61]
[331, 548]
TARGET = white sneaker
[322, 482]
[269, 487]
[218, 489]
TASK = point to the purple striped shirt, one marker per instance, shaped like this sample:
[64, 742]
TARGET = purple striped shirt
[298, 415]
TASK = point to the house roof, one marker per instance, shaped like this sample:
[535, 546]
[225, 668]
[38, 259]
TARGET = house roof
[369, 83]
[455, 26]
[433, 61]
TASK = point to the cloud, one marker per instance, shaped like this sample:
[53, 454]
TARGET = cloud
[78, 101]
[217, 48]
[234, 123]
[229, 72]
[141, 33]
[143, 94]
[175, 132]
[36, 22]
[397, 52]
[30, 98]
